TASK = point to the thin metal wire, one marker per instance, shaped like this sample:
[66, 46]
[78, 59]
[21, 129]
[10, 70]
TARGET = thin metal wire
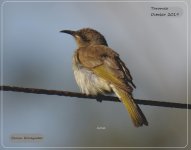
[98, 97]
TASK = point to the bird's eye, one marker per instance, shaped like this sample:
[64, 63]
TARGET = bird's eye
[85, 38]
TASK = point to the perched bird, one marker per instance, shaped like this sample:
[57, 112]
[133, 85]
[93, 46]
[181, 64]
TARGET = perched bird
[98, 70]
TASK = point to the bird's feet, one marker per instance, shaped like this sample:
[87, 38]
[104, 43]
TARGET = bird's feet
[99, 98]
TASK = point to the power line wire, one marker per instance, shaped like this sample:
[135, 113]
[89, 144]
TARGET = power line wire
[98, 97]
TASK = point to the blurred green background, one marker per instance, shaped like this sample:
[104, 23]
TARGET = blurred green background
[36, 55]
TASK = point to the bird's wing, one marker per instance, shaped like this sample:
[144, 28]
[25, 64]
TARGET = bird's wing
[128, 78]
[106, 63]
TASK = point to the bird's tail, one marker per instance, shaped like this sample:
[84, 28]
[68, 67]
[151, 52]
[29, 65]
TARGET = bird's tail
[135, 112]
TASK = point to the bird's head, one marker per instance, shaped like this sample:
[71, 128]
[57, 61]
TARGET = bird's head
[87, 36]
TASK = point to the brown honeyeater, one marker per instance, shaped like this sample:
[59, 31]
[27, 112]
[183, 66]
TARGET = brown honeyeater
[98, 69]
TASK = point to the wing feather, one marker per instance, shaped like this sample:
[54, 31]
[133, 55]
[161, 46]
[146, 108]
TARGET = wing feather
[106, 63]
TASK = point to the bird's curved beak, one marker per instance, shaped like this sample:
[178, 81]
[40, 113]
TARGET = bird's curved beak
[68, 32]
